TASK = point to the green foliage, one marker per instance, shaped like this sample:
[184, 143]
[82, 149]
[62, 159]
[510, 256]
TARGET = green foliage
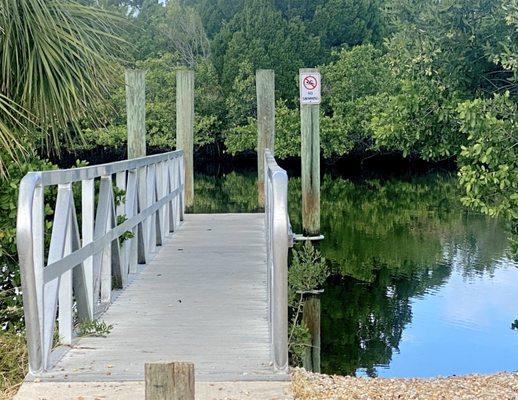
[355, 84]
[393, 71]
[489, 160]
[183, 28]
[348, 22]
[160, 99]
[447, 41]
[94, 328]
[126, 235]
[240, 100]
[419, 121]
[334, 139]
[57, 61]
[260, 36]
[300, 339]
[287, 131]
[355, 73]
[160, 109]
[215, 14]
[242, 137]
[308, 270]
[144, 34]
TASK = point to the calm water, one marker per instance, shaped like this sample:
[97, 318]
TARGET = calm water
[420, 286]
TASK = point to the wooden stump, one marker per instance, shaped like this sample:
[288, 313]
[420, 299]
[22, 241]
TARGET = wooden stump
[169, 381]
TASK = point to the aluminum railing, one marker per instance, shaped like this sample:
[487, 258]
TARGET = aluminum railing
[278, 241]
[84, 267]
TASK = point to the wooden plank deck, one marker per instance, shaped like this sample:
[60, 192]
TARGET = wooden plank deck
[202, 299]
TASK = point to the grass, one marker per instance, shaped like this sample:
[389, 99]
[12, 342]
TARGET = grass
[13, 363]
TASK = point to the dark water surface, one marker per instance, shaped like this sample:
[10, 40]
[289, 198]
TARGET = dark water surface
[421, 287]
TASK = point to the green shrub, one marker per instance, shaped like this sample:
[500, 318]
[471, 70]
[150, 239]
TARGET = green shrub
[489, 160]
[308, 271]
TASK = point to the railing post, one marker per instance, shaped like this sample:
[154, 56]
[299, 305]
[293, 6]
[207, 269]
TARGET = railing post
[131, 209]
[265, 90]
[185, 127]
[38, 234]
[65, 317]
[279, 286]
[120, 181]
[29, 240]
[150, 198]
[87, 229]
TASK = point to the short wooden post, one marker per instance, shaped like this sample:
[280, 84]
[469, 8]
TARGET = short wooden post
[136, 112]
[265, 90]
[311, 319]
[185, 127]
[169, 381]
[310, 159]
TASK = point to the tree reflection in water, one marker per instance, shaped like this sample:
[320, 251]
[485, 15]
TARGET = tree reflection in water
[388, 240]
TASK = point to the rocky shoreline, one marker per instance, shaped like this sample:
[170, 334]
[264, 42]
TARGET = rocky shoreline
[310, 386]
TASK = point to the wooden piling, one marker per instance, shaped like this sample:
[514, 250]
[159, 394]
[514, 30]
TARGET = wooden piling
[136, 126]
[310, 159]
[185, 127]
[169, 381]
[311, 319]
[136, 112]
[265, 90]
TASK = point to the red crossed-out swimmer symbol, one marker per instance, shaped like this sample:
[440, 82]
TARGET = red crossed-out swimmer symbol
[310, 82]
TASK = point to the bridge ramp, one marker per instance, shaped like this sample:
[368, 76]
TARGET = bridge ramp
[202, 299]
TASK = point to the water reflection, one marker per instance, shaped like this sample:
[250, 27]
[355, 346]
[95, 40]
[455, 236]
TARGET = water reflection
[420, 286]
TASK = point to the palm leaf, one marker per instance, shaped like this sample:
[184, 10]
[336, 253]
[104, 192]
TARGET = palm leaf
[57, 60]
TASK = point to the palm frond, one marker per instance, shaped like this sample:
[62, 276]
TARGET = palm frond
[56, 62]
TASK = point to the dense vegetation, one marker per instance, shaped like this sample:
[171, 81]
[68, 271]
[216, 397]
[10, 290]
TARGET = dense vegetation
[428, 80]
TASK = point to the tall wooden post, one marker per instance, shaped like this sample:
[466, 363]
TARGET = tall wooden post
[265, 89]
[136, 112]
[136, 126]
[185, 127]
[310, 150]
[311, 319]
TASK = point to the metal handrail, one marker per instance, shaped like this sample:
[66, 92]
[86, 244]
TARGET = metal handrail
[82, 266]
[278, 241]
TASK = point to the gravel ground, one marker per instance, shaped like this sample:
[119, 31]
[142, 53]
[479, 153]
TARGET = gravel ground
[309, 386]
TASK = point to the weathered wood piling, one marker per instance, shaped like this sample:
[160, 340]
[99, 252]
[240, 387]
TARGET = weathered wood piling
[185, 127]
[136, 112]
[311, 319]
[265, 90]
[310, 164]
